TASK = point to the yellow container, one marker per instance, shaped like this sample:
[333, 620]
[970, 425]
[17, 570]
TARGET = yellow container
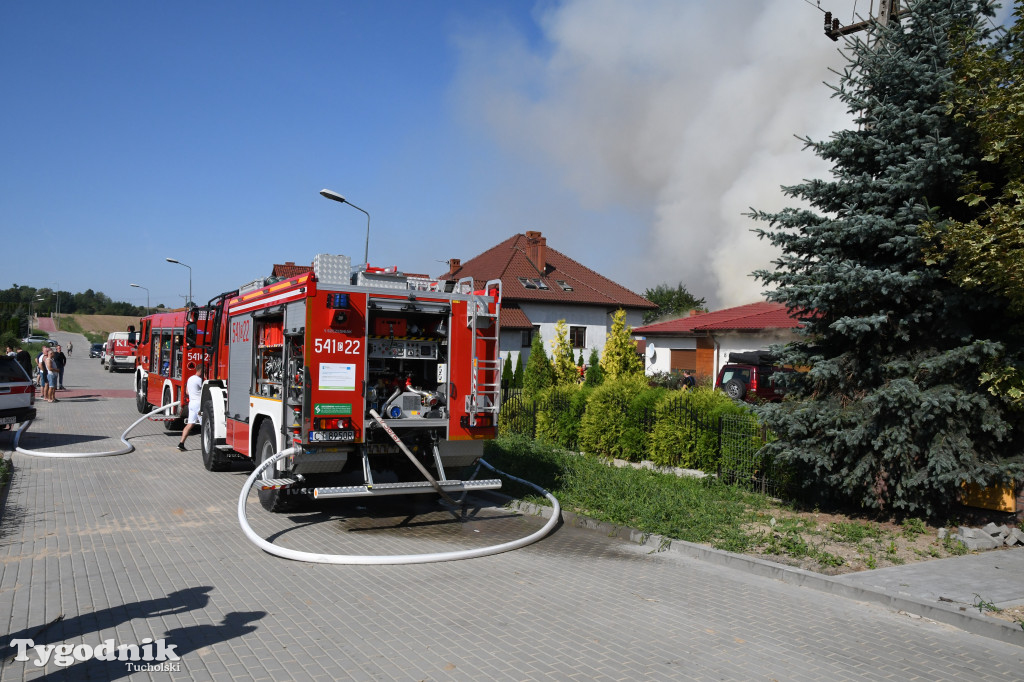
[999, 497]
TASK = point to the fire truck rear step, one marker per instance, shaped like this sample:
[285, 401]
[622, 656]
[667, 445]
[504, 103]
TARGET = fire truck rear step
[378, 489]
[275, 483]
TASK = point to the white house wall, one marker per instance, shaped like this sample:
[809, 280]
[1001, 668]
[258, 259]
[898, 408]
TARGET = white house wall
[725, 343]
[598, 322]
[738, 343]
[659, 352]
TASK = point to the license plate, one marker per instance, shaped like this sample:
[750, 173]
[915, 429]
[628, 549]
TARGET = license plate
[331, 436]
[8, 420]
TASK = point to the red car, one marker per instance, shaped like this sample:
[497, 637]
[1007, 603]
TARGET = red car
[748, 377]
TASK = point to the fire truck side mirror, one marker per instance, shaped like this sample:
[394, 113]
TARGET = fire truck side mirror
[190, 334]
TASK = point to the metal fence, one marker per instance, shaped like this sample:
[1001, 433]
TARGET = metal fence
[743, 460]
[740, 438]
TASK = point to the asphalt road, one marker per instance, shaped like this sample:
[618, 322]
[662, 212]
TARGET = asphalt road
[147, 546]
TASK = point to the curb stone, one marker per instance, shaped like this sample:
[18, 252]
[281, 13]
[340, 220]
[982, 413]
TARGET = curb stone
[958, 617]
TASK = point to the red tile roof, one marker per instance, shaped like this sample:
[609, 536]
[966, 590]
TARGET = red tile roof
[512, 317]
[290, 269]
[511, 259]
[750, 317]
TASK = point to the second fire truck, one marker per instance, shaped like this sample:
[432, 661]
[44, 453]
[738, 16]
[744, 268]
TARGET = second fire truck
[376, 381]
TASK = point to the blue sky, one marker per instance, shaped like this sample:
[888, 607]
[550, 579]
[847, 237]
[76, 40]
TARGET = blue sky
[633, 135]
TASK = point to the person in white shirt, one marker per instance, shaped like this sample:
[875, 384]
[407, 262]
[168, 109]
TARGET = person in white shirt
[194, 389]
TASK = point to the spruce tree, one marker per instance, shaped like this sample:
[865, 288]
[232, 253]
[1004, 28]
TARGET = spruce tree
[538, 374]
[891, 414]
[506, 372]
[594, 375]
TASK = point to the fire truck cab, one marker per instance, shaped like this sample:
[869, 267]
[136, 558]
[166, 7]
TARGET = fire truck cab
[357, 373]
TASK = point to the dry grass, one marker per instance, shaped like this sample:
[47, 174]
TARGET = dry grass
[104, 323]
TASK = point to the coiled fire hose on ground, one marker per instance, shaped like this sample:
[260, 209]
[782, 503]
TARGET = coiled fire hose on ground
[389, 559]
[128, 447]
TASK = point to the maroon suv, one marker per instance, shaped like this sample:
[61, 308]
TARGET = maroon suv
[748, 376]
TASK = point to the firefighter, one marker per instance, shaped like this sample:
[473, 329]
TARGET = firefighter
[194, 388]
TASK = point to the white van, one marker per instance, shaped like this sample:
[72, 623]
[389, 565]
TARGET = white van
[119, 350]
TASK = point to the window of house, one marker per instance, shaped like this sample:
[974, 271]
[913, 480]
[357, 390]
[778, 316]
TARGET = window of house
[527, 338]
[539, 283]
[527, 283]
[578, 337]
[562, 283]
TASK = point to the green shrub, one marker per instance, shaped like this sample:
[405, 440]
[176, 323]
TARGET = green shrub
[560, 411]
[607, 415]
[636, 435]
[686, 431]
[516, 416]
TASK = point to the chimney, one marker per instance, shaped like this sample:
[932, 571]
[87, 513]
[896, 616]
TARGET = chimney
[454, 264]
[537, 251]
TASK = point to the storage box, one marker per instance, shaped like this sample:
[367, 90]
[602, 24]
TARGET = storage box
[390, 327]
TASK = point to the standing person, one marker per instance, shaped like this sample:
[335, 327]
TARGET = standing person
[61, 361]
[24, 359]
[688, 379]
[71, 347]
[194, 389]
[52, 374]
[41, 366]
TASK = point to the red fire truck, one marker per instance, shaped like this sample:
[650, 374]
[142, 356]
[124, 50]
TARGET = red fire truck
[357, 371]
[165, 359]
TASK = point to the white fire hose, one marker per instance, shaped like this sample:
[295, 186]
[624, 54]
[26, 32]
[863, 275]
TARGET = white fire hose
[313, 557]
[128, 447]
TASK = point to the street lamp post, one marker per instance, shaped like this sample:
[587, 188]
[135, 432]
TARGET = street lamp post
[139, 286]
[172, 260]
[334, 196]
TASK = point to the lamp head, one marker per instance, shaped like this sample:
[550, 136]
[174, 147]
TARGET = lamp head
[170, 260]
[334, 196]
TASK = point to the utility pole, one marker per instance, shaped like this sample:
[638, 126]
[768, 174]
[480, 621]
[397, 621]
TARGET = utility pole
[888, 10]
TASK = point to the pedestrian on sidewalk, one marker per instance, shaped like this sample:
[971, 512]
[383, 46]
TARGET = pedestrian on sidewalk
[52, 372]
[41, 366]
[194, 389]
[61, 361]
[71, 347]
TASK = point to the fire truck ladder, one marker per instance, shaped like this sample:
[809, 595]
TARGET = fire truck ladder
[484, 396]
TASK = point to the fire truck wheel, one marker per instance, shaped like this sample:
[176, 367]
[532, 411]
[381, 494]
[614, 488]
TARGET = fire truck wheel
[141, 404]
[272, 500]
[213, 459]
[167, 400]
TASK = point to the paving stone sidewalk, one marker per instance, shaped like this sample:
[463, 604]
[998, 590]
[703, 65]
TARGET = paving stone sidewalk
[147, 546]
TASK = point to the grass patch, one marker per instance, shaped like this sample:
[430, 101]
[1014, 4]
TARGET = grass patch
[690, 509]
[854, 532]
[5, 472]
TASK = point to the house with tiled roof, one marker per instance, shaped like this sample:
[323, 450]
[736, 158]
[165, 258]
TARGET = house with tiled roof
[702, 342]
[540, 286]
